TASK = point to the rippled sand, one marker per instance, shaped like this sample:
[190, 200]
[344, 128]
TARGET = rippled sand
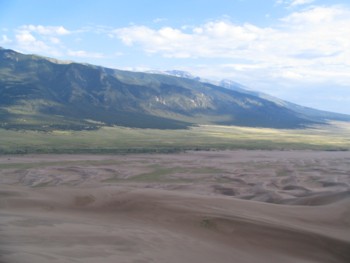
[227, 206]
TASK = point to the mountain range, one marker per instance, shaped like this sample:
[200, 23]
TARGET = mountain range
[43, 94]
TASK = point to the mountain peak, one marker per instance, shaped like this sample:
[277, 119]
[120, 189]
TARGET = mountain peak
[181, 74]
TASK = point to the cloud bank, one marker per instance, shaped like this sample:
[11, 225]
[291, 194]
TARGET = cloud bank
[308, 44]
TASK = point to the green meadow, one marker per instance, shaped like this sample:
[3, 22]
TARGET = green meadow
[333, 137]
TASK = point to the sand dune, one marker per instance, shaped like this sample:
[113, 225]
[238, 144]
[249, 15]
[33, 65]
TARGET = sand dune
[242, 206]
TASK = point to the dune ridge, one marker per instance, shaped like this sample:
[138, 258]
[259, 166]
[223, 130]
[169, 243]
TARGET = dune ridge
[94, 209]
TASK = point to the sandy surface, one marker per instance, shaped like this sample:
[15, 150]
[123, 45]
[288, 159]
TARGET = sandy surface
[228, 206]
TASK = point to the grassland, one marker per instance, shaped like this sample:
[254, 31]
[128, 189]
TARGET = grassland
[127, 140]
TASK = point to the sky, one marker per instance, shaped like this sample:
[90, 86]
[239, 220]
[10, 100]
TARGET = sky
[297, 50]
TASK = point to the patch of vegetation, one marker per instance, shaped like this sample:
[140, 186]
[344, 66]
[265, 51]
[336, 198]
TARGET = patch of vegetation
[208, 223]
[283, 172]
[22, 166]
[84, 200]
[120, 140]
[159, 174]
[43, 184]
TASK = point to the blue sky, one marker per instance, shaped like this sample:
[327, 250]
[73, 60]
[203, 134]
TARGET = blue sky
[298, 50]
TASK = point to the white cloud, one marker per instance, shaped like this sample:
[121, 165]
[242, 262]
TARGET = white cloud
[214, 39]
[49, 41]
[45, 30]
[301, 2]
[27, 42]
[312, 44]
[159, 20]
[40, 39]
[5, 40]
[55, 40]
[25, 38]
[294, 3]
[84, 54]
[318, 15]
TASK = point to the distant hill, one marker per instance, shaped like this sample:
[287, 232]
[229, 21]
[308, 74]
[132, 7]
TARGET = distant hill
[311, 113]
[43, 93]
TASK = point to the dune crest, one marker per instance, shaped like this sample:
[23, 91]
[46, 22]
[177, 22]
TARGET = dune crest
[231, 206]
